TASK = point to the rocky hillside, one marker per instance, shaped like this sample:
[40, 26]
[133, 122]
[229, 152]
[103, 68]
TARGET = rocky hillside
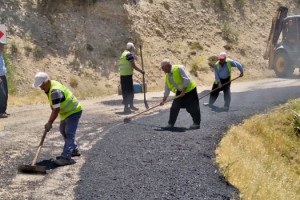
[79, 41]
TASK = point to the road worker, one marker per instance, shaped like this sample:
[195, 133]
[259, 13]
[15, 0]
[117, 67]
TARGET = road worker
[126, 66]
[222, 70]
[65, 104]
[179, 81]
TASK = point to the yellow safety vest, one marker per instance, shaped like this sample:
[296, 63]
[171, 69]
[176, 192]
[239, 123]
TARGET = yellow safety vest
[179, 81]
[228, 61]
[68, 107]
[125, 65]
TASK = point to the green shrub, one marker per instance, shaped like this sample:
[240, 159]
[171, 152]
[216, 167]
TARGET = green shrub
[12, 89]
[89, 47]
[197, 65]
[196, 45]
[38, 52]
[229, 33]
[73, 82]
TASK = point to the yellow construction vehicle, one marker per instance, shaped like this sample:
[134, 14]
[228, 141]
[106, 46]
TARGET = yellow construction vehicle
[283, 52]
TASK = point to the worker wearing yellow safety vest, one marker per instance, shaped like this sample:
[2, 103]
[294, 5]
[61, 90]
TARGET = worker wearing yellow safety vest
[126, 66]
[222, 69]
[65, 104]
[179, 81]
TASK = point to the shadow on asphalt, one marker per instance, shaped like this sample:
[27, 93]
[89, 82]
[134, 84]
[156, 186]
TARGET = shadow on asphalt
[174, 129]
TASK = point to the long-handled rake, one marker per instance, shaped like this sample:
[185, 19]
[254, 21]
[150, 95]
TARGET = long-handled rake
[33, 168]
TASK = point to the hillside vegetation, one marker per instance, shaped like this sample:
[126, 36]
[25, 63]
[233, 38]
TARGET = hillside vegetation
[79, 42]
[261, 156]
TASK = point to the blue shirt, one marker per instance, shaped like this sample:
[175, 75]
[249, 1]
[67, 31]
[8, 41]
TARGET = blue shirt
[224, 73]
[2, 66]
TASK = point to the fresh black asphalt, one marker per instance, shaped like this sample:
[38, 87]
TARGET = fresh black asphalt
[141, 161]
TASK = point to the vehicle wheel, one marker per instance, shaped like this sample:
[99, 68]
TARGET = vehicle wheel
[282, 66]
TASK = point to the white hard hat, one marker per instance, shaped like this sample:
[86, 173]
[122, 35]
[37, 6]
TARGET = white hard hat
[130, 45]
[40, 78]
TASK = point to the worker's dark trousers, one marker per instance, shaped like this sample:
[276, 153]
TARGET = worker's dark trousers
[226, 90]
[127, 90]
[190, 101]
[3, 94]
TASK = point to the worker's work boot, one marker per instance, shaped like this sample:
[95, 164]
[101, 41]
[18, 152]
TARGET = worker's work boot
[195, 126]
[133, 108]
[75, 153]
[127, 110]
[226, 108]
[61, 161]
[168, 127]
[3, 115]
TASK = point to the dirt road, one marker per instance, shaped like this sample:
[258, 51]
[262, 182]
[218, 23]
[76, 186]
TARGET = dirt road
[21, 132]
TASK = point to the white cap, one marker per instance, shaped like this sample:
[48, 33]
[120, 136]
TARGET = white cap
[222, 56]
[2, 42]
[130, 45]
[40, 78]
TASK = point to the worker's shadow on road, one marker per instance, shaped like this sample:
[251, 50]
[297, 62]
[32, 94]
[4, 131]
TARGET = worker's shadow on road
[49, 164]
[174, 129]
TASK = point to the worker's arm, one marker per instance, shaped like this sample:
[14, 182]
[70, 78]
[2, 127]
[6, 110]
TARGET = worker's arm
[131, 59]
[166, 94]
[136, 68]
[186, 79]
[239, 66]
[57, 97]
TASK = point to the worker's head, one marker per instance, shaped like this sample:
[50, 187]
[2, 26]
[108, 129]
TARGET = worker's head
[42, 80]
[166, 65]
[222, 57]
[130, 46]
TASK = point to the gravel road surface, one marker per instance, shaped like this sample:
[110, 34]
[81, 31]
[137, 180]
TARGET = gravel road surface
[136, 160]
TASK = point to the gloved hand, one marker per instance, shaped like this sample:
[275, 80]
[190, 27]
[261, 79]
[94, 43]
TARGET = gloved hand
[48, 126]
[142, 72]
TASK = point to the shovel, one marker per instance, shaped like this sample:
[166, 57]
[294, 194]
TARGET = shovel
[144, 86]
[128, 119]
[33, 168]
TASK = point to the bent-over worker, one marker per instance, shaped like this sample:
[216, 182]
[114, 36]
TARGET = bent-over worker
[179, 81]
[65, 104]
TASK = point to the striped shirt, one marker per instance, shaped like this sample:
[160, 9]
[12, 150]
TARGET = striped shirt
[57, 97]
[2, 65]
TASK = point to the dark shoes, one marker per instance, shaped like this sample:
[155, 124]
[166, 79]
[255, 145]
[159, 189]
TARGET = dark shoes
[168, 127]
[61, 161]
[195, 126]
[127, 110]
[75, 153]
[226, 108]
[3, 115]
[134, 108]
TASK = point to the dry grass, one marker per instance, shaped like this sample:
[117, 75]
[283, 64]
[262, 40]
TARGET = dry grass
[261, 156]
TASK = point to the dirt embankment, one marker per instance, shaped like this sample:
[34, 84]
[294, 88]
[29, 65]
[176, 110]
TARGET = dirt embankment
[79, 43]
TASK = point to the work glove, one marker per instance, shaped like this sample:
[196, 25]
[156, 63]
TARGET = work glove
[48, 126]
[142, 72]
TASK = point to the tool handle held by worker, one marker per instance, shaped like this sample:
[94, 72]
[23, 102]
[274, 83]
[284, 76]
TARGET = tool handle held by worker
[39, 148]
[171, 99]
[219, 88]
